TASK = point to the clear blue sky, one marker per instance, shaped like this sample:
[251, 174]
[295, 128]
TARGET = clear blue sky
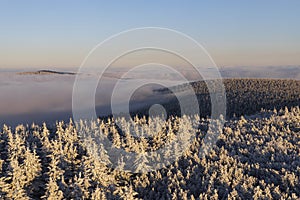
[60, 33]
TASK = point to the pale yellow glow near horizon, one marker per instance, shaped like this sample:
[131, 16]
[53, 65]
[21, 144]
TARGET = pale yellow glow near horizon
[62, 58]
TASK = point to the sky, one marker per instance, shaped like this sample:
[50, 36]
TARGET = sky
[235, 33]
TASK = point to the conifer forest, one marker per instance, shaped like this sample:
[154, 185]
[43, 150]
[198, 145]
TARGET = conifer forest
[256, 155]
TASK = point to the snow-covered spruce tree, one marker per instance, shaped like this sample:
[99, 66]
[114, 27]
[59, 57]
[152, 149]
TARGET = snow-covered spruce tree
[141, 162]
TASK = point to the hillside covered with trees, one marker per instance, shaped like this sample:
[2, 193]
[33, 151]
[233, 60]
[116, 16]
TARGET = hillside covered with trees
[243, 96]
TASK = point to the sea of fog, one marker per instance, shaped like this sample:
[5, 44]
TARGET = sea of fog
[30, 97]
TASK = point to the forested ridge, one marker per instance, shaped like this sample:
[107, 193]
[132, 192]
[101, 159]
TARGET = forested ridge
[243, 96]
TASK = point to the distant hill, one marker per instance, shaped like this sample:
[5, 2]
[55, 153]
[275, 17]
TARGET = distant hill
[275, 72]
[46, 72]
